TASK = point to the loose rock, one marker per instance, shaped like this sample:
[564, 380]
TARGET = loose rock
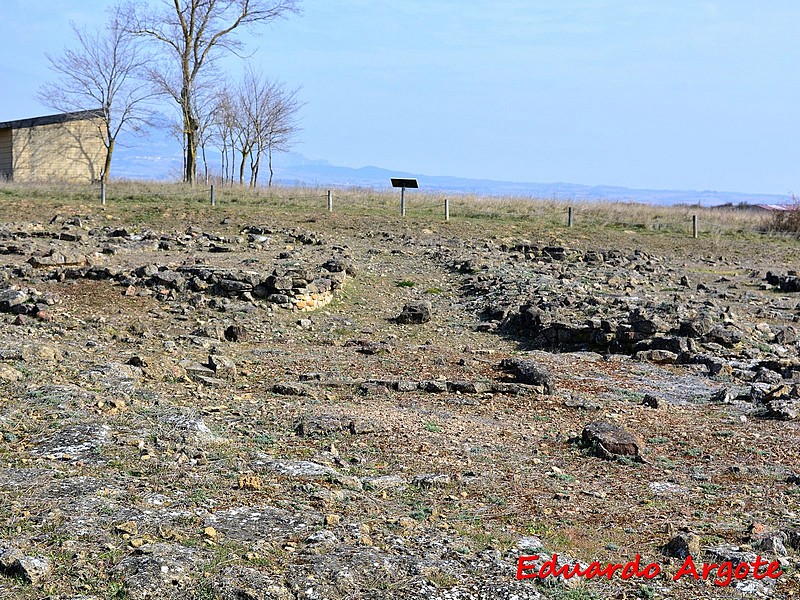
[609, 441]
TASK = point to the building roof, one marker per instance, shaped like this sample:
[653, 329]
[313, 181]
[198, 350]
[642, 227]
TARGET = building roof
[80, 115]
[776, 207]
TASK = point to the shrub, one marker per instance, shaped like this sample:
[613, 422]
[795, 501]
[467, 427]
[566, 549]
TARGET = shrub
[787, 221]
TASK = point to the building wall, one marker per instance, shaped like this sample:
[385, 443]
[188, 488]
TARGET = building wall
[72, 151]
[6, 157]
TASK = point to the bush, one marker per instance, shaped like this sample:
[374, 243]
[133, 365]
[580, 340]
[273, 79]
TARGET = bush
[787, 221]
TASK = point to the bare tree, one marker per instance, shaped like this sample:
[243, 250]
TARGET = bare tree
[224, 126]
[282, 124]
[264, 121]
[246, 122]
[255, 118]
[206, 104]
[105, 68]
[195, 33]
[253, 100]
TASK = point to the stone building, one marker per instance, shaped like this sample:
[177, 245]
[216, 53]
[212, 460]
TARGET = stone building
[64, 147]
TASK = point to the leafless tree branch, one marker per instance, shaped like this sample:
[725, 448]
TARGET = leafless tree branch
[104, 69]
[195, 33]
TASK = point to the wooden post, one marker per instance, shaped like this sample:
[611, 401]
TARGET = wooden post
[103, 192]
[402, 202]
[446, 209]
[569, 217]
[213, 198]
[694, 226]
[330, 201]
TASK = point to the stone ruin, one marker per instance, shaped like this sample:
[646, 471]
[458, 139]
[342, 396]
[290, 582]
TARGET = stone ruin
[289, 288]
[291, 284]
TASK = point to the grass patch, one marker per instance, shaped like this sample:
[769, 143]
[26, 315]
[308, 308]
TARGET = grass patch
[646, 592]
[565, 477]
[666, 462]
[153, 203]
[658, 440]
[442, 580]
[575, 594]
[420, 512]
[629, 395]
[264, 439]
[710, 488]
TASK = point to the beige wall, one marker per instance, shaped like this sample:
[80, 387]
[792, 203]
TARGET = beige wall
[6, 157]
[71, 151]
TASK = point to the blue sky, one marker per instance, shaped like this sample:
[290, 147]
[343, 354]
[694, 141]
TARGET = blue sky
[684, 94]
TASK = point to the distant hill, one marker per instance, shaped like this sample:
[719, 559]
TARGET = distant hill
[376, 177]
[161, 159]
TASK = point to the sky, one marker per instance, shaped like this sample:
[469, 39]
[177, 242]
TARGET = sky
[684, 94]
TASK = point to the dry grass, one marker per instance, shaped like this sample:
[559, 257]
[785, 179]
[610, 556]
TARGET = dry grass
[149, 202]
[787, 221]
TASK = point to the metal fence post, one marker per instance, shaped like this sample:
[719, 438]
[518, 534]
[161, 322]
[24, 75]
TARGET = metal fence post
[330, 201]
[694, 226]
[570, 220]
[446, 209]
[213, 198]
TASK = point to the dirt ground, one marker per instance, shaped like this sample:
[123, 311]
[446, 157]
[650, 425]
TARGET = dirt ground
[341, 454]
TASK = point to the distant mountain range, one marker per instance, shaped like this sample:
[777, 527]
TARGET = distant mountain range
[162, 160]
[316, 174]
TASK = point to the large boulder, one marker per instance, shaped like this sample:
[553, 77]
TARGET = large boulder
[610, 441]
[415, 313]
[528, 372]
[682, 545]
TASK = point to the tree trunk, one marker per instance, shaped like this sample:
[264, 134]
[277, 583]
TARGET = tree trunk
[241, 168]
[254, 170]
[190, 132]
[107, 165]
[191, 156]
[223, 169]
[271, 172]
[205, 162]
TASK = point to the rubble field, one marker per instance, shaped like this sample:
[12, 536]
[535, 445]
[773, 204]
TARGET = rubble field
[225, 404]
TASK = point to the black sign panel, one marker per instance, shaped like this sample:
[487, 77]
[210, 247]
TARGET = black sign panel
[404, 183]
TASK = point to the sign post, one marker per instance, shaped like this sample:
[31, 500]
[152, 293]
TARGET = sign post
[403, 183]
